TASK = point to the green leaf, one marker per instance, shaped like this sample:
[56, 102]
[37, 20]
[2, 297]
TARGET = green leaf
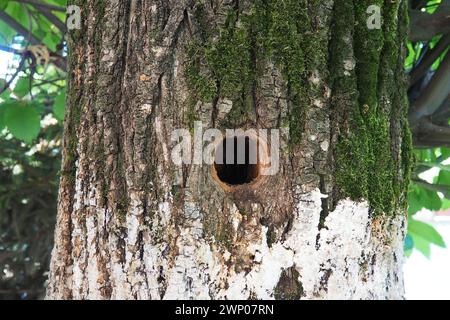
[410, 57]
[428, 199]
[445, 153]
[426, 155]
[51, 41]
[6, 33]
[17, 11]
[422, 245]
[23, 121]
[408, 253]
[435, 165]
[3, 4]
[426, 232]
[5, 95]
[415, 205]
[444, 178]
[445, 204]
[58, 106]
[2, 117]
[22, 87]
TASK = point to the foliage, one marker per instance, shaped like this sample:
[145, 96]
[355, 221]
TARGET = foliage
[430, 188]
[31, 110]
[434, 196]
[27, 211]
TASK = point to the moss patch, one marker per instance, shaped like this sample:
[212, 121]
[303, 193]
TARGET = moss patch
[369, 103]
[228, 60]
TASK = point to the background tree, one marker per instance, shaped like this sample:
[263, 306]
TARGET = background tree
[223, 53]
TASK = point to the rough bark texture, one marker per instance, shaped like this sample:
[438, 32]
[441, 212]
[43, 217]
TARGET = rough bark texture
[330, 224]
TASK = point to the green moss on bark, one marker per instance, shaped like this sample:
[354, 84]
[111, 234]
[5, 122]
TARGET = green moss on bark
[351, 150]
[368, 114]
[227, 61]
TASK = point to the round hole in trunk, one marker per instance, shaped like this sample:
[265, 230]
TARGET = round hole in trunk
[237, 161]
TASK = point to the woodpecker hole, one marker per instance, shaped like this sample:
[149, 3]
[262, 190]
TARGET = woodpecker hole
[237, 161]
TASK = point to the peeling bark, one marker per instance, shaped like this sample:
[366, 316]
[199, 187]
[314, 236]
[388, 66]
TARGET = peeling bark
[329, 225]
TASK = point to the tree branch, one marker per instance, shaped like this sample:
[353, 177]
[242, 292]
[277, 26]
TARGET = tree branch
[19, 28]
[43, 5]
[418, 4]
[16, 73]
[421, 167]
[434, 94]
[430, 143]
[52, 18]
[59, 62]
[10, 50]
[427, 61]
[438, 131]
[440, 117]
[435, 165]
[434, 187]
[428, 134]
[425, 26]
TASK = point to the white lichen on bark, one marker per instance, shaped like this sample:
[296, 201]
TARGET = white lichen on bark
[350, 257]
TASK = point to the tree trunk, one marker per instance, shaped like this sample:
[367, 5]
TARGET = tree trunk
[328, 225]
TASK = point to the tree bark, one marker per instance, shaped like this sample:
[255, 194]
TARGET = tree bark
[329, 225]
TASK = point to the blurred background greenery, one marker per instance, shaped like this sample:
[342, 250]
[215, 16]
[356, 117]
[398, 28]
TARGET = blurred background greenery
[31, 113]
[32, 92]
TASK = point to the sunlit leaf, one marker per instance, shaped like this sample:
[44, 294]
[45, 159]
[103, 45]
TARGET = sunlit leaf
[444, 178]
[2, 117]
[435, 165]
[51, 41]
[3, 4]
[414, 202]
[6, 33]
[421, 245]
[445, 153]
[17, 11]
[58, 106]
[22, 87]
[430, 199]
[23, 121]
[6, 93]
[426, 232]
[445, 204]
